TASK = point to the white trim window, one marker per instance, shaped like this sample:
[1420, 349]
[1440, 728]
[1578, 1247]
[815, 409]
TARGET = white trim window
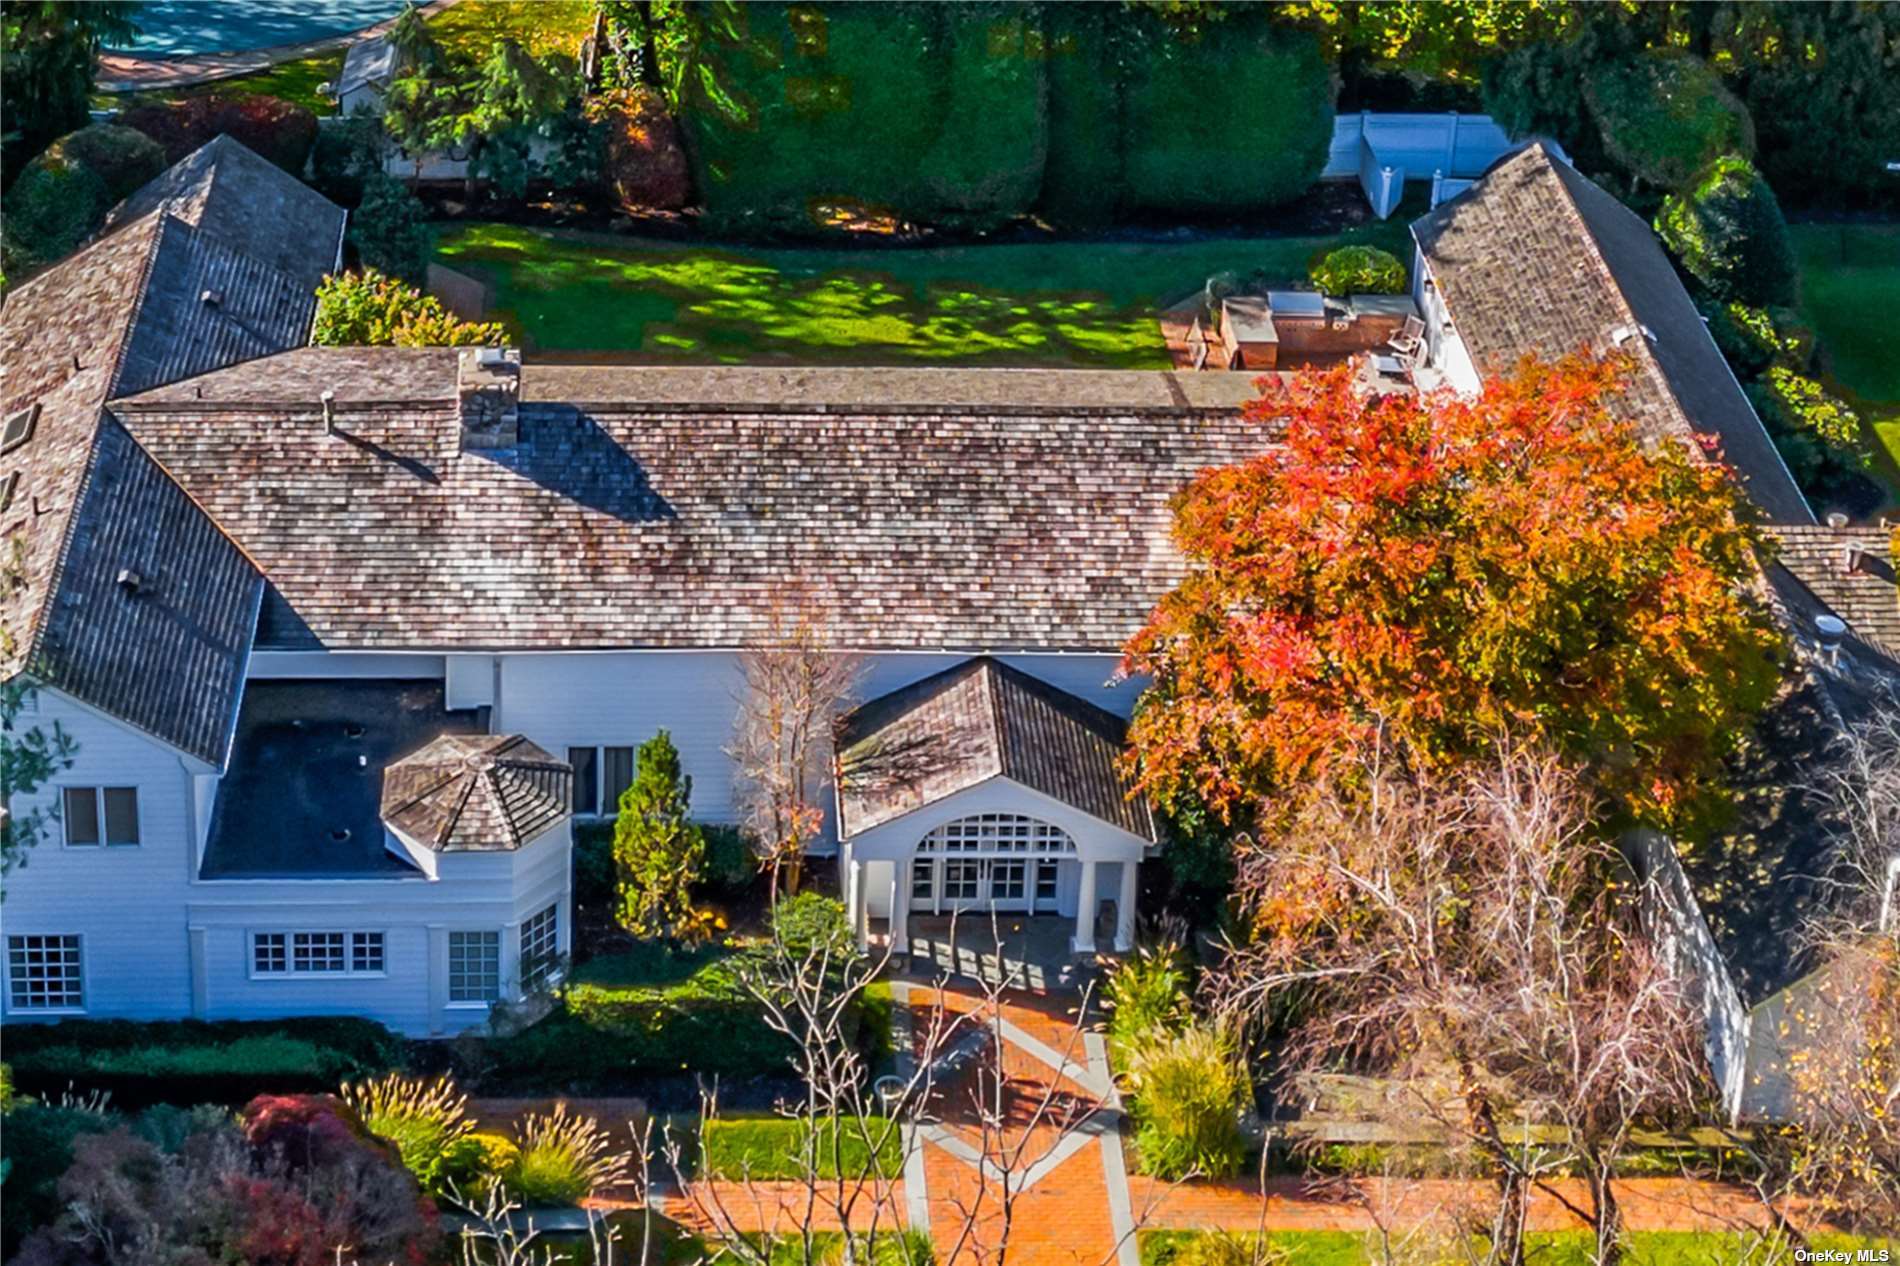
[324, 953]
[999, 833]
[45, 973]
[100, 815]
[601, 774]
[474, 967]
[540, 947]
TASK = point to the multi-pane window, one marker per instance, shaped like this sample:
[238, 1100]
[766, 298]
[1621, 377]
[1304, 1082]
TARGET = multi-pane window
[922, 881]
[44, 973]
[1006, 880]
[540, 947]
[100, 815]
[1045, 883]
[474, 966]
[959, 880]
[316, 953]
[366, 951]
[997, 833]
[601, 774]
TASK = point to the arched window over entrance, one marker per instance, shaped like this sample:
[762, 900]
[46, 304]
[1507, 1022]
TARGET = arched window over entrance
[1002, 861]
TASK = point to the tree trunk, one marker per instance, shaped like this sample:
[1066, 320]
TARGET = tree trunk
[1609, 1219]
[1508, 1226]
[649, 48]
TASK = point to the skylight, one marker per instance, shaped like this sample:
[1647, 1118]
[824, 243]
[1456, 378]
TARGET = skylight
[19, 428]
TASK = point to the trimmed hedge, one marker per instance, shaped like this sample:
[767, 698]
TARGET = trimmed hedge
[975, 114]
[1728, 231]
[1231, 121]
[197, 1061]
[1360, 270]
[1665, 116]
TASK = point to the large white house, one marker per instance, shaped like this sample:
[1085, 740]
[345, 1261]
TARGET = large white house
[348, 638]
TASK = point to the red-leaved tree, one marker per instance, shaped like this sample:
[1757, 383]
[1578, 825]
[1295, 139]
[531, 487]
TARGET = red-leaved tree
[1440, 570]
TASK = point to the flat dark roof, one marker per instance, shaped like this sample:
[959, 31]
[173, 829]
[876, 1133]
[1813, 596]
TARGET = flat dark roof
[303, 795]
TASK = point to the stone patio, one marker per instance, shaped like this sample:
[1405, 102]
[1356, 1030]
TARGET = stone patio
[1030, 952]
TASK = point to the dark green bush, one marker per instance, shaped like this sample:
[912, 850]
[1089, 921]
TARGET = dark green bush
[986, 165]
[195, 1061]
[812, 923]
[1665, 116]
[390, 230]
[594, 865]
[731, 863]
[1728, 231]
[123, 159]
[1360, 270]
[1236, 118]
[61, 197]
[348, 155]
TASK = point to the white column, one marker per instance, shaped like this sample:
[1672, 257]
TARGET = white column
[1086, 909]
[1125, 907]
[900, 908]
[854, 901]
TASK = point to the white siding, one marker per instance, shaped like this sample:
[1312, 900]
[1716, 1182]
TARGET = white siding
[127, 903]
[1444, 348]
[622, 698]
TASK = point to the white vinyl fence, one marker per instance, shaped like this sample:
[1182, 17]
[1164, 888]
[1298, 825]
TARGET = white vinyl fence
[1383, 151]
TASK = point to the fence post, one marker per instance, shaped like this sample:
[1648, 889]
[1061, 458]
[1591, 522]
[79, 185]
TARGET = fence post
[1438, 184]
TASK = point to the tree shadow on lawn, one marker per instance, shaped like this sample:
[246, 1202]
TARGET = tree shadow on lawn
[715, 306]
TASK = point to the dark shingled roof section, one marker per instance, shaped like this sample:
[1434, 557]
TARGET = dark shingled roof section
[476, 793]
[303, 796]
[1536, 260]
[980, 720]
[1868, 597]
[978, 529]
[124, 314]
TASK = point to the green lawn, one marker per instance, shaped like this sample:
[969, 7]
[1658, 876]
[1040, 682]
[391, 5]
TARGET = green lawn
[767, 1148]
[1850, 293]
[1087, 304]
[1645, 1248]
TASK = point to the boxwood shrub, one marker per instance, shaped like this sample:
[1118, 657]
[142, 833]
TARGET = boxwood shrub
[196, 1061]
[1728, 231]
[1664, 116]
[1360, 270]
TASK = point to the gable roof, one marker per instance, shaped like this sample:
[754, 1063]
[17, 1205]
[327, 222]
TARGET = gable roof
[369, 63]
[1866, 595]
[642, 523]
[1534, 259]
[165, 655]
[980, 720]
[476, 793]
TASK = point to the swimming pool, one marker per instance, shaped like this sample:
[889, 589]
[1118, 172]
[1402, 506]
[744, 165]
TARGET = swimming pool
[172, 28]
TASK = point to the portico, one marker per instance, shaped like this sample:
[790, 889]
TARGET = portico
[985, 790]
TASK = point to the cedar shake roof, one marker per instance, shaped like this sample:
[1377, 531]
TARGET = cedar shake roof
[1866, 594]
[1536, 260]
[476, 793]
[130, 600]
[980, 720]
[633, 523]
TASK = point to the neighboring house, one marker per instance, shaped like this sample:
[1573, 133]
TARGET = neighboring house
[369, 67]
[348, 637]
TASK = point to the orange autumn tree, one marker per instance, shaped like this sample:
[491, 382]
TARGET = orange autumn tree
[1440, 571]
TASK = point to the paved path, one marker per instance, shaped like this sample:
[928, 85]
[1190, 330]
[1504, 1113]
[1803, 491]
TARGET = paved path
[130, 72]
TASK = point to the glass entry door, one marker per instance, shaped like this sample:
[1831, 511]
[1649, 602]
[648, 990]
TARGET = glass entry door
[970, 883]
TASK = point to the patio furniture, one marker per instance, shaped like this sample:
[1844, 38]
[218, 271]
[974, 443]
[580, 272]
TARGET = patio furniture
[1410, 338]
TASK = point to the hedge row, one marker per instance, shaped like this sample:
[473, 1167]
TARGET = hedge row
[197, 1061]
[977, 113]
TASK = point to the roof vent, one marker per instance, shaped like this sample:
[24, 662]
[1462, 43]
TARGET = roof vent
[1835, 519]
[329, 411]
[1830, 631]
[130, 581]
[1853, 556]
[1622, 334]
[211, 298]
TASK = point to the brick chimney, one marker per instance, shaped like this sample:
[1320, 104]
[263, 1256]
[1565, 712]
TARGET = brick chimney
[488, 391]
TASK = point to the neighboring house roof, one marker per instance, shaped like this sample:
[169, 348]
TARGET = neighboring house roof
[130, 600]
[980, 720]
[642, 523]
[304, 794]
[1536, 260]
[370, 63]
[476, 793]
[1850, 569]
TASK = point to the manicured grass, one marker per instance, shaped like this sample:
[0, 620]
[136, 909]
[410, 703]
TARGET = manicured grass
[1850, 291]
[1645, 1248]
[768, 1148]
[1087, 304]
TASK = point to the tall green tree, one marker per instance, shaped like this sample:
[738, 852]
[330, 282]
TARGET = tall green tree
[659, 853]
[49, 52]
